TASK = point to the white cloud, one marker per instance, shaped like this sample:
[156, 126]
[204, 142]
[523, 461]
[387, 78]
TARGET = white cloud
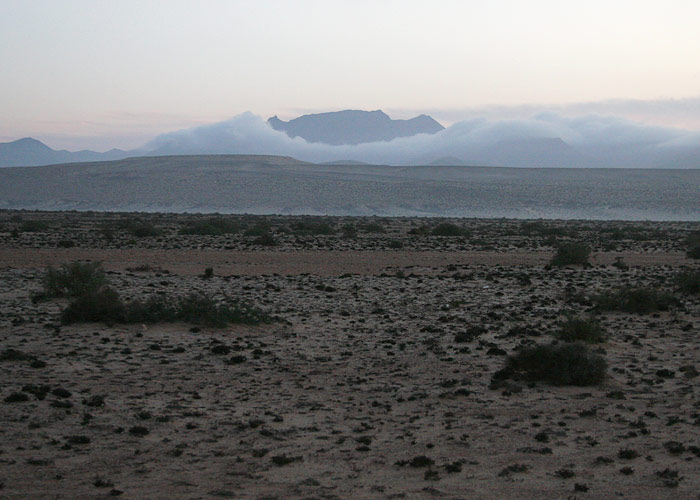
[470, 139]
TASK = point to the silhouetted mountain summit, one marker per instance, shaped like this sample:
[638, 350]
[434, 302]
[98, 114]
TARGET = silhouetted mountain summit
[354, 127]
[29, 152]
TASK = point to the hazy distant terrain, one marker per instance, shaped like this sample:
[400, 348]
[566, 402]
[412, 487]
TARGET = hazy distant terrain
[279, 185]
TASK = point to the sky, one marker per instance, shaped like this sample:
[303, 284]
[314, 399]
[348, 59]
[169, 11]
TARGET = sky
[101, 73]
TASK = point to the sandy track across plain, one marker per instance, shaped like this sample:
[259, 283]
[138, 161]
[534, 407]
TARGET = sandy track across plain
[323, 263]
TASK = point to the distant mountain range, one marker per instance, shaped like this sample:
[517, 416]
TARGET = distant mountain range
[29, 152]
[354, 127]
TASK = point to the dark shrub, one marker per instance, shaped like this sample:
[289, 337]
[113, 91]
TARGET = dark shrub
[571, 254]
[101, 305]
[559, 364]
[419, 231]
[395, 244]
[635, 300]
[215, 226]
[448, 229]
[689, 281]
[71, 280]
[581, 329]
[208, 273]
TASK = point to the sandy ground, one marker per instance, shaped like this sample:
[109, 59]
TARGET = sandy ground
[361, 375]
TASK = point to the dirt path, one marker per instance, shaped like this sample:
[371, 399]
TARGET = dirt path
[324, 263]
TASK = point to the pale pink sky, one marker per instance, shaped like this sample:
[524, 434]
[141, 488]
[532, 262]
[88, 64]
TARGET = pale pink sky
[103, 73]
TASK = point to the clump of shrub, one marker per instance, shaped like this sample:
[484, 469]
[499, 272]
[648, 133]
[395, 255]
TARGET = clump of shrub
[571, 254]
[395, 244]
[689, 281]
[214, 226]
[587, 330]
[71, 280]
[65, 244]
[106, 306]
[448, 229]
[349, 231]
[558, 364]
[635, 300]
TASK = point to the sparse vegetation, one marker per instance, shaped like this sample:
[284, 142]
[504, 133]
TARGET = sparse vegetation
[571, 254]
[559, 364]
[635, 300]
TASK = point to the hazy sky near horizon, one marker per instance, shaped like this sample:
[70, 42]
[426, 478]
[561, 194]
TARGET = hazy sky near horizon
[103, 73]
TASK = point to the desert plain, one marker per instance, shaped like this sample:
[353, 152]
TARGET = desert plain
[378, 373]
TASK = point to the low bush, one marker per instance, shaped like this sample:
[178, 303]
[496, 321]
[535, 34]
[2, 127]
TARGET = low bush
[259, 229]
[635, 300]
[559, 364]
[587, 330]
[571, 254]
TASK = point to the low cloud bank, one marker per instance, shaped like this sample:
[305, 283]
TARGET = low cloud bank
[590, 140]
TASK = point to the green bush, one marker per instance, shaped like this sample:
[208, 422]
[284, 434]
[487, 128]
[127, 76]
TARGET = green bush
[215, 226]
[571, 254]
[71, 280]
[635, 300]
[581, 330]
[559, 364]
[448, 229]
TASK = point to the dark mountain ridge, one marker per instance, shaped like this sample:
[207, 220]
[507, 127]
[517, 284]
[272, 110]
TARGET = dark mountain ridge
[354, 127]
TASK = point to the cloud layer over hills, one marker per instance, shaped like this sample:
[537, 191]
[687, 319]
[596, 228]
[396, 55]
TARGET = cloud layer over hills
[545, 140]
